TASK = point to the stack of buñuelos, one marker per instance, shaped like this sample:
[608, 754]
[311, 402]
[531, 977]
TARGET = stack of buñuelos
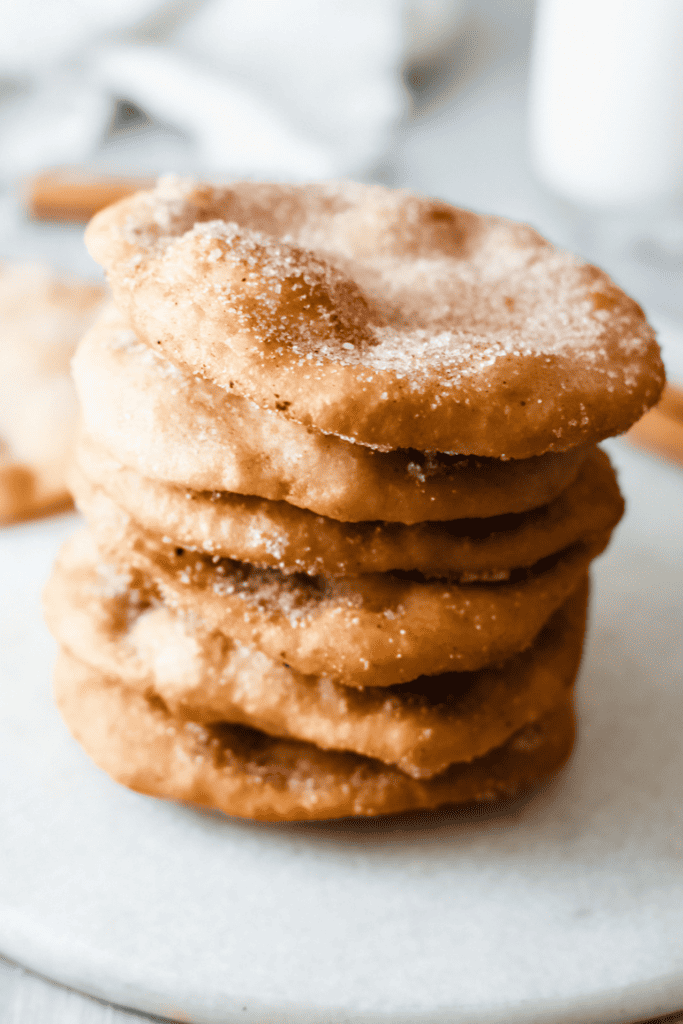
[338, 462]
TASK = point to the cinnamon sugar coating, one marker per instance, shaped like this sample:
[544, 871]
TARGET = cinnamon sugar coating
[279, 535]
[172, 427]
[338, 464]
[206, 677]
[373, 630]
[379, 316]
[245, 772]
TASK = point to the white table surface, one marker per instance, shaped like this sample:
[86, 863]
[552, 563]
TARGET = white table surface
[467, 146]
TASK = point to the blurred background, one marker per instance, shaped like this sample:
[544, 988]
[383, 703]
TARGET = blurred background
[564, 113]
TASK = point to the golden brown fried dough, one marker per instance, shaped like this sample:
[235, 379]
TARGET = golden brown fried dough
[268, 533]
[374, 630]
[422, 726]
[172, 427]
[380, 316]
[246, 773]
[338, 462]
[42, 317]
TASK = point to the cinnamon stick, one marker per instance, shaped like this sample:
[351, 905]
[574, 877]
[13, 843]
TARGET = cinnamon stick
[661, 429]
[69, 196]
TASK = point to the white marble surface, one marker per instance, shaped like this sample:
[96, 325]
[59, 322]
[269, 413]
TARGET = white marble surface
[28, 999]
[568, 906]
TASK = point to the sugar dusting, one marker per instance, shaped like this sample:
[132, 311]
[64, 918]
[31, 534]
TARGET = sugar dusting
[391, 283]
[294, 595]
[415, 466]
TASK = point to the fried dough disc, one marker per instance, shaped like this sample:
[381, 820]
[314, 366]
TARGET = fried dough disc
[42, 316]
[422, 727]
[373, 630]
[244, 772]
[383, 317]
[269, 533]
[181, 430]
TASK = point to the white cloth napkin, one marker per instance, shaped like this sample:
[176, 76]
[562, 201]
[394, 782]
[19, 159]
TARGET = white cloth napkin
[283, 88]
